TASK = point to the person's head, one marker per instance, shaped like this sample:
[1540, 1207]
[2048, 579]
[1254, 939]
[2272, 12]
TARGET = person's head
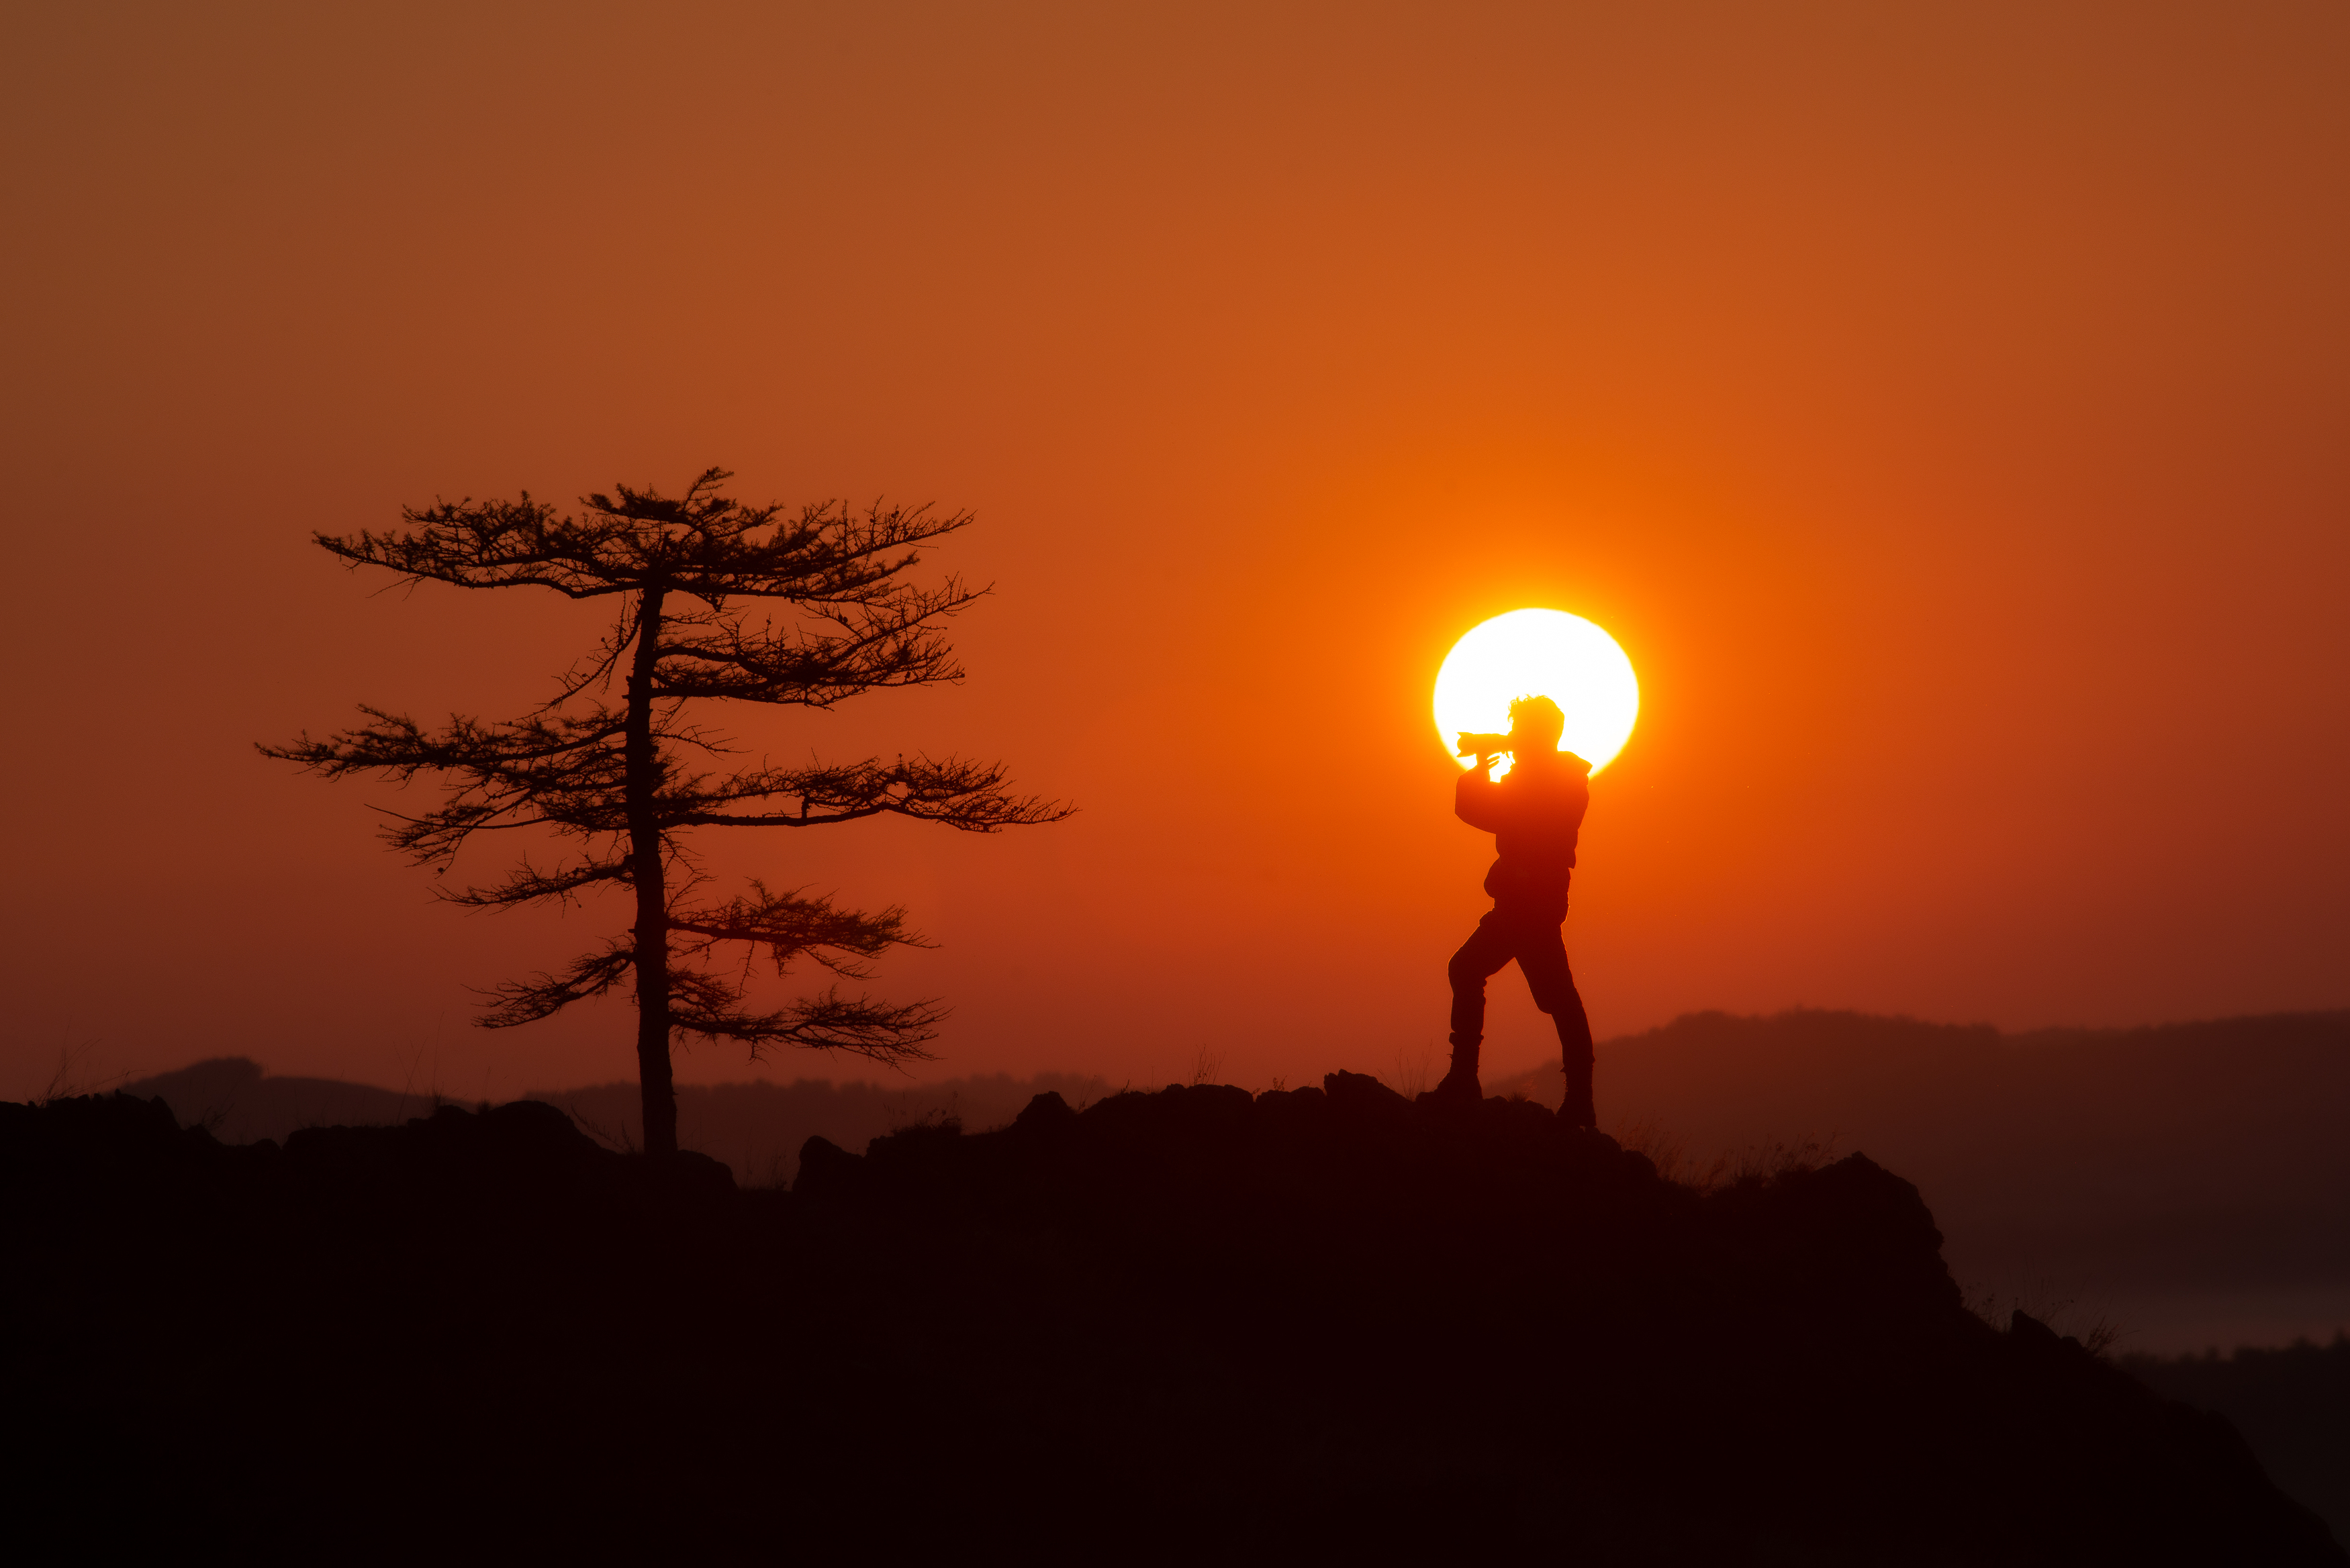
[1536, 724]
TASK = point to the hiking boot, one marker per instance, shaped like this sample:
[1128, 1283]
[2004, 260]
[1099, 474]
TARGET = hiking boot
[1458, 1085]
[1577, 1112]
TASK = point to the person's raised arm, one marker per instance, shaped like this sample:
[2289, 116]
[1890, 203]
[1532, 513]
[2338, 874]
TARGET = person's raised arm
[1476, 799]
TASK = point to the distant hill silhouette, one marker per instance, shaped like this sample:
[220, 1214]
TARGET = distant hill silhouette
[758, 1128]
[755, 1128]
[2177, 1178]
[238, 1102]
[1179, 1326]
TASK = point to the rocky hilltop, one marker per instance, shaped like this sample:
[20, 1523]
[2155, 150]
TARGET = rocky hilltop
[1187, 1324]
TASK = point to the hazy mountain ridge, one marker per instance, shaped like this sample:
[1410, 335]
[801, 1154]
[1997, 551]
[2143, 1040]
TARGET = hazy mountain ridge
[756, 1128]
[2123, 1167]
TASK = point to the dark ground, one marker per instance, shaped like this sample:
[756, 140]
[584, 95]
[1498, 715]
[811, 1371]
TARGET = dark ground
[1181, 1325]
[2187, 1183]
[2292, 1404]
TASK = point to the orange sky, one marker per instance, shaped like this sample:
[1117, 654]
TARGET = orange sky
[1945, 409]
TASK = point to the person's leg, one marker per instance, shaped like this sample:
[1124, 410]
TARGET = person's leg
[1480, 958]
[1542, 958]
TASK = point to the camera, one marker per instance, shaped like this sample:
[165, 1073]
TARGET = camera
[1483, 745]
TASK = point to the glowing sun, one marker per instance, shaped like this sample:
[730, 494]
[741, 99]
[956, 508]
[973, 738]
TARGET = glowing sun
[1540, 653]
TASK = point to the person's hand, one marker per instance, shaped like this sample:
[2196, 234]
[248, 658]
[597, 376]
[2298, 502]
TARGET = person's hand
[1484, 747]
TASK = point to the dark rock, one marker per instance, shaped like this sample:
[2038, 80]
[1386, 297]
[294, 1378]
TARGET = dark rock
[918, 1144]
[536, 1126]
[690, 1174]
[828, 1170]
[2030, 1336]
[1360, 1095]
[1047, 1112]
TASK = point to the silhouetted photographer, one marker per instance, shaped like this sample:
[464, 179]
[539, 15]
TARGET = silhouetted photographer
[1535, 813]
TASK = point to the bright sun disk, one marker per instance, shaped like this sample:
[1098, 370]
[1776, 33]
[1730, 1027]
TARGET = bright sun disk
[1540, 653]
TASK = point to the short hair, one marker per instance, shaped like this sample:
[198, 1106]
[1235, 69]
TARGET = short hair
[1538, 716]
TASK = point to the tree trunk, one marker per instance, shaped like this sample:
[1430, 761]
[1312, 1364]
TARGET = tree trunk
[643, 778]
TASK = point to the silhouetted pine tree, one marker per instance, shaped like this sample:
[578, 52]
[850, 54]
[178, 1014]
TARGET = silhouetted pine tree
[689, 575]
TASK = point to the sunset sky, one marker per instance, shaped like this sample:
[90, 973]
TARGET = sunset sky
[1946, 407]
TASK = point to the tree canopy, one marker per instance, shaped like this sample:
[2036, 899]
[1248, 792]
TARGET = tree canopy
[716, 601]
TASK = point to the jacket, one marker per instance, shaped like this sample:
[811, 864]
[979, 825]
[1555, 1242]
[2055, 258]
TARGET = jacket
[1535, 813]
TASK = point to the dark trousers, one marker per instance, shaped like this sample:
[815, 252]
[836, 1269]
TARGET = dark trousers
[1535, 941]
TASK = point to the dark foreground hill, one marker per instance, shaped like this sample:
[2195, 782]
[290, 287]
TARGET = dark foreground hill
[2292, 1404]
[1182, 1325]
[2189, 1183]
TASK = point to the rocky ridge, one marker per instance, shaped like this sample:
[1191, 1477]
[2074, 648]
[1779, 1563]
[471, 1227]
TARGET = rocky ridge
[1193, 1321]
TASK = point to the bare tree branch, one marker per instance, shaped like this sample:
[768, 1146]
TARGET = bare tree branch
[786, 927]
[879, 1032]
[970, 796]
[528, 1001]
[528, 885]
[718, 601]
